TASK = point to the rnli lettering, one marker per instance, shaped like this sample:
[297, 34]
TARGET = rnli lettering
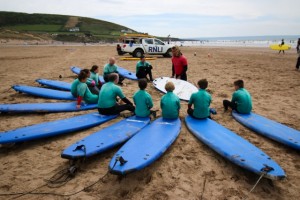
[155, 49]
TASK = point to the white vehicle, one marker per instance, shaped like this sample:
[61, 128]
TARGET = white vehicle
[151, 46]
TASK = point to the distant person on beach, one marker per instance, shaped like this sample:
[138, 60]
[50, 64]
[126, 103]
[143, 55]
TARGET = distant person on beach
[298, 52]
[90, 82]
[143, 68]
[83, 92]
[170, 103]
[109, 92]
[111, 67]
[201, 101]
[241, 99]
[179, 64]
[142, 100]
[281, 44]
[95, 77]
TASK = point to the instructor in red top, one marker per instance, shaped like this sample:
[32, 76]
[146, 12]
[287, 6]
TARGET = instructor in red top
[179, 64]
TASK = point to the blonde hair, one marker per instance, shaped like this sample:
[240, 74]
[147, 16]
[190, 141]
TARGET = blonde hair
[176, 51]
[170, 87]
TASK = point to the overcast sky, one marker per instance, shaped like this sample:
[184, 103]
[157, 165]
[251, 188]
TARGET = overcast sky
[179, 18]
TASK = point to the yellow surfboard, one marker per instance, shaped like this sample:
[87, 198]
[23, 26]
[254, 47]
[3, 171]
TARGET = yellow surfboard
[278, 47]
[133, 58]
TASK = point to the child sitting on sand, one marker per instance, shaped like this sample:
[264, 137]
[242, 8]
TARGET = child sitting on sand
[201, 101]
[241, 99]
[170, 103]
[107, 97]
[91, 83]
[143, 68]
[83, 92]
[142, 100]
[74, 85]
[95, 76]
[111, 67]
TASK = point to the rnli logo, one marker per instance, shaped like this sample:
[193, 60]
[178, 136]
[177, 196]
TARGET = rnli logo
[155, 49]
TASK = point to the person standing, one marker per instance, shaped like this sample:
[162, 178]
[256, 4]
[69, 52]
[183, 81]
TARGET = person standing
[111, 67]
[143, 68]
[179, 64]
[282, 43]
[298, 52]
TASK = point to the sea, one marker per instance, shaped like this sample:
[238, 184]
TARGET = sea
[244, 41]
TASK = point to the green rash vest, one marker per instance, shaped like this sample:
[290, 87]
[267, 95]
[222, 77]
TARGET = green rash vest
[170, 105]
[83, 91]
[143, 102]
[201, 101]
[108, 94]
[243, 100]
[74, 87]
[95, 77]
[141, 64]
[108, 69]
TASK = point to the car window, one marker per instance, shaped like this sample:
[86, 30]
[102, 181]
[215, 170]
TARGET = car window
[148, 41]
[158, 42]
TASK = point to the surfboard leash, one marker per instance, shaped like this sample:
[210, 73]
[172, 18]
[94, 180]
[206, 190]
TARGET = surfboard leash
[121, 160]
[7, 90]
[52, 193]
[265, 170]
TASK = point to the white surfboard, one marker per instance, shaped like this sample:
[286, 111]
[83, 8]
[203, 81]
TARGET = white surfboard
[183, 89]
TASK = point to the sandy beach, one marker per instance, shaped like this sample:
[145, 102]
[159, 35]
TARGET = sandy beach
[189, 169]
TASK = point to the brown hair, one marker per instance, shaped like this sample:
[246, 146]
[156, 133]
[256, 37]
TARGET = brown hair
[176, 51]
[203, 83]
[112, 77]
[239, 83]
[142, 83]
[170, 87]
[82, 75]
[85, 71]
[94, 68]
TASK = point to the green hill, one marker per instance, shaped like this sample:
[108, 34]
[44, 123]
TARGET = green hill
[58, 27]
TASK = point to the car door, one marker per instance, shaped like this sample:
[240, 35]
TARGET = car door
[148, 45]
[159, 47]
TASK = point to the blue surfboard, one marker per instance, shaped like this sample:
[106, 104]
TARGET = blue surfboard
[53, 128]
[233, 147]
[44, 92]
[127, 74]
[76, 70]
[106, 138]
[146, 146]
[270, 129]
[44, 107]
[55, 84]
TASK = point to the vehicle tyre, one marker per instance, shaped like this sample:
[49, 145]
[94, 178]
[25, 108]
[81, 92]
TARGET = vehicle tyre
[168, 54]
[138, 53]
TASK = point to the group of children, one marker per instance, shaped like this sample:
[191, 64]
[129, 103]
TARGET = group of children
[111, 100]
